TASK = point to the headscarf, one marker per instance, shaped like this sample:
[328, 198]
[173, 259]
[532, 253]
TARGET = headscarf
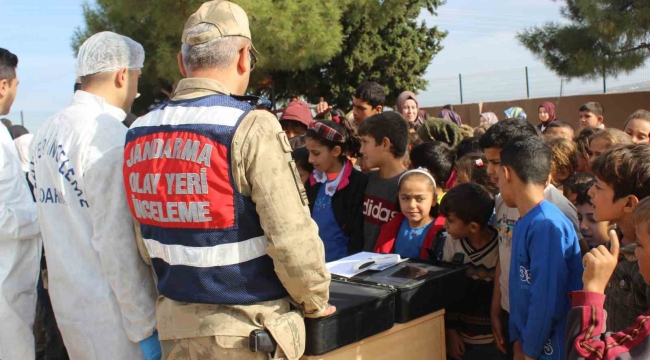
[406, 95]
[22, 147]
[515, 112]
[451, 116]
[434, 129]
[490, 117]
[550, 109]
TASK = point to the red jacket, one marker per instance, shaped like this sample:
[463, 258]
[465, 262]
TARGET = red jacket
[386, 240]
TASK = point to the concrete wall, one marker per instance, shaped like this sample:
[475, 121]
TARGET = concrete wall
[617, 108]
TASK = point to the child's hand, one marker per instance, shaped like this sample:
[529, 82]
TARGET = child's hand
[495, 319]
[455, 345]
[599, 265]
[518, 351]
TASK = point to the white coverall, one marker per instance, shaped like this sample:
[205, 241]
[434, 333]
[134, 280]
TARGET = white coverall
[20, 255]
[102, 293]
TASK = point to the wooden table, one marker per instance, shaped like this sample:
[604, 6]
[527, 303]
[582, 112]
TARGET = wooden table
[420, 339]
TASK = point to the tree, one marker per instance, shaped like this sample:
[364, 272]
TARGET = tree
[383, 43]
[307, 47]
[603, 37]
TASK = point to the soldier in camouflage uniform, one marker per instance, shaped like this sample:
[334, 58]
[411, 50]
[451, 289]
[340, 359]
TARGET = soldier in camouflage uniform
[223, 213]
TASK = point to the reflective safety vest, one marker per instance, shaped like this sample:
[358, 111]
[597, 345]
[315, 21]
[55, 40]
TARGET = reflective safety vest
[203, 236]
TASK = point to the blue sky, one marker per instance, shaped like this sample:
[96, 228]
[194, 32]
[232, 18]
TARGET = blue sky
[481, 41]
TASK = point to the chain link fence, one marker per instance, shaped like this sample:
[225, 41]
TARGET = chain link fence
[524, 83]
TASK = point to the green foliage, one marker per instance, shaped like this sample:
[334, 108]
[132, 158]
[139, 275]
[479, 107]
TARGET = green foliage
[603, 37]
[307, 47]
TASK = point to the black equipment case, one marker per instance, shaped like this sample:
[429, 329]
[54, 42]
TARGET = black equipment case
[362, 310]
[423, 287]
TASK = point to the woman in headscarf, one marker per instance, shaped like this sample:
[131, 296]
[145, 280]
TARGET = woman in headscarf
[408, 106]
[488, 118]
[449, 114]
[515, 112]
[546, 115]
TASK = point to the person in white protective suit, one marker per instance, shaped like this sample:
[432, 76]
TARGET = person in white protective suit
[102, 292]
[20, 244]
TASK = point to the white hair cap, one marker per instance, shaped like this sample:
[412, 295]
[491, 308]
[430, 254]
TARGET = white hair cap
[107, 51]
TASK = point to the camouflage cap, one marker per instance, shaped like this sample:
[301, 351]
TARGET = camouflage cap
[229, 18]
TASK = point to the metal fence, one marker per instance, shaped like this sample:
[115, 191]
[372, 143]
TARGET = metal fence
[524, 83]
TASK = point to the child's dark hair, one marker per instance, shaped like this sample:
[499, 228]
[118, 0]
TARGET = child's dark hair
[582, 195]
[529, 157]
[594, 108]
[372, 93]
[350, 147]
[499, 134]
[578, 183]
[583, 140]
[559, 124]
[435, 156]
[626, 169]
[470, 203]
[390, 125]
[301, 157]
[468, 146]
[474, 167]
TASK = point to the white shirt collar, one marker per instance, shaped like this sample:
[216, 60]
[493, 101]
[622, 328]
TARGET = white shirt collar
[85, 98]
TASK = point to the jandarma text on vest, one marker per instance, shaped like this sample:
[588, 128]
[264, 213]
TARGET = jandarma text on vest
[178, 148]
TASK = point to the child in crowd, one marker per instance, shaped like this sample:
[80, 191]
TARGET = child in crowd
[305, 168]
[472, 168]
[335, 189]
[481, 129]
[468, 146]
[604, 140]
[594, 232]
[592, 114]
[577, 184]
[493, 141]
[561, 129]
[438, 159]
[295, 118]
[384, 139]
[638, 126]
[582, 140]
[622, 180]
[467, 209]
[586, 338]
[546, 115]
[413, 231]
[564, 160]
[368, 100]
[546, 259]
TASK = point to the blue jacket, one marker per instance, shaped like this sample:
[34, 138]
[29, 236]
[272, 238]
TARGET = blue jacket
[546, 265]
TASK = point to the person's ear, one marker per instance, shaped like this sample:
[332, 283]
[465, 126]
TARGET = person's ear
[474, 227]
[385, 143]
[507, 174]
[181, 65]
[243, 64]
[378, 109]
[121, 77]
[337, 151]
[600, 119]
[4, 88]
[630, 203]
